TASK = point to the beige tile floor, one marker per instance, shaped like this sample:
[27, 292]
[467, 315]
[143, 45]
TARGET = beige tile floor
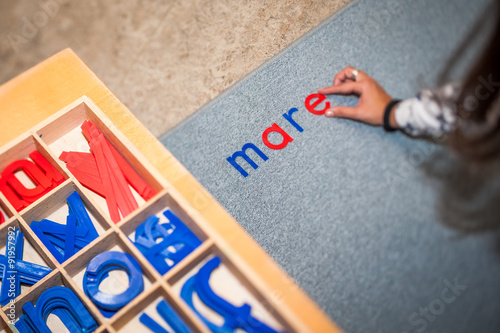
[163, 58]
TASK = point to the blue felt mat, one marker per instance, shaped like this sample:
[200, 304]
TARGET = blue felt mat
[367, 223]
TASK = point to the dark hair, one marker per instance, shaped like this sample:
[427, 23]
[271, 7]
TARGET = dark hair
[477, 136]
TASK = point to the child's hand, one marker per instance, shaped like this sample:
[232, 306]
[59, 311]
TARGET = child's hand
[372, 97]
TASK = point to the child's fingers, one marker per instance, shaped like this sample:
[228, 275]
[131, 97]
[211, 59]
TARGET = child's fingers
[342, 112]
[346, 88]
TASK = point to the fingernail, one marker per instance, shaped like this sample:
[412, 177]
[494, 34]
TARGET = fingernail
[329, 113]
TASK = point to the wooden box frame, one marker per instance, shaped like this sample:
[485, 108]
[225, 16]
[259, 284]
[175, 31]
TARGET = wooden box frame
[265, 281]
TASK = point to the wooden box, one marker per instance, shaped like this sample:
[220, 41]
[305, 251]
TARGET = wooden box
[246, 275]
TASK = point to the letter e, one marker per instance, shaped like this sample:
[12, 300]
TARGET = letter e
[311, 107]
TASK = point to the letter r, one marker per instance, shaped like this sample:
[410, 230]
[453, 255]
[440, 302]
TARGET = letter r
[288, 116]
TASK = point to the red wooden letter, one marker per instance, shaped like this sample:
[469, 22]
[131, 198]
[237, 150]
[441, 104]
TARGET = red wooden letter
[275, 128]
[311, 106]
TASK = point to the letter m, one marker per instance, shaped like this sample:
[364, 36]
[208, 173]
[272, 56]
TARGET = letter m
[242, 153]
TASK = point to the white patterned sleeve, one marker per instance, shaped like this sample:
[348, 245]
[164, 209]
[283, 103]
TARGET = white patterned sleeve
[431, 113]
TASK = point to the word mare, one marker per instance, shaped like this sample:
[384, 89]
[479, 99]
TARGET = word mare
[312, 102]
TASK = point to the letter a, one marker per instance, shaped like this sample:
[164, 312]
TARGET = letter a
[275, 128]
